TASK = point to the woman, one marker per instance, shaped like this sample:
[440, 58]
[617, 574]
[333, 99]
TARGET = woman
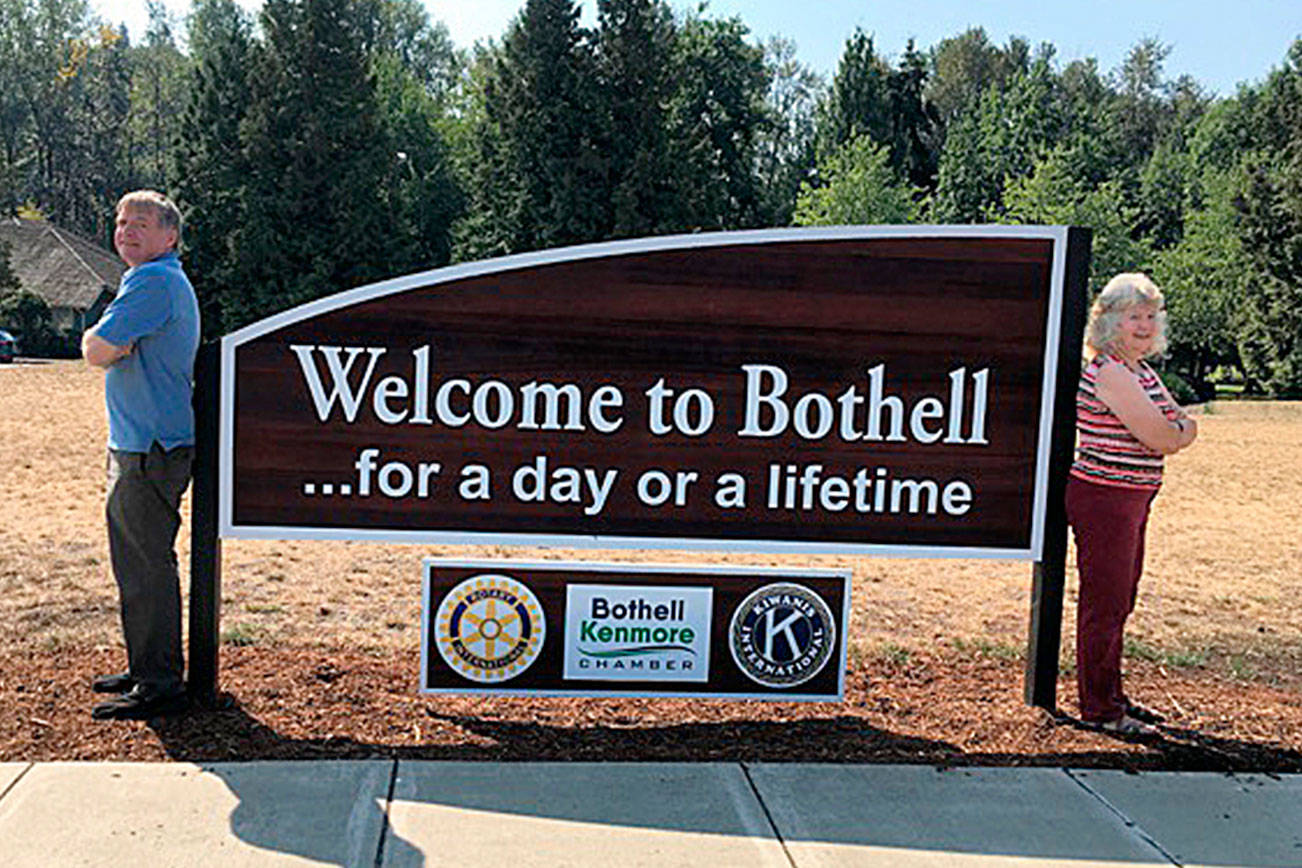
[1126, 422]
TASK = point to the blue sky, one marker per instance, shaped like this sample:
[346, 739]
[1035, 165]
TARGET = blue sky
[1219, 43]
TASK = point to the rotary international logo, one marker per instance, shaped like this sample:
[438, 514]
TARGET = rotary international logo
[782, 635]
[490, 628]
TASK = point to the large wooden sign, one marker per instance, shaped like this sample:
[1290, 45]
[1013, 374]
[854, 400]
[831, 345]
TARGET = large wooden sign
[866, 389]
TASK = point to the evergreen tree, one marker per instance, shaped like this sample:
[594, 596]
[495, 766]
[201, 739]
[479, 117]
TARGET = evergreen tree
[65, 107]
[423, 194]
[858, 102]
[495, 196]
[15, 114]
[963, 67]
[104, 135]
[421, 47]
[716, 116]
[1141, 113]
[1163, 185]
[913, 130]
[313, 219]
[87, 170]
[635, 43]
[1270, 206]
[538, 172]
[208, 157]
[968, 184]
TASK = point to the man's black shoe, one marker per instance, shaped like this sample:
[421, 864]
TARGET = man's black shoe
[118, 682]
[141, 704]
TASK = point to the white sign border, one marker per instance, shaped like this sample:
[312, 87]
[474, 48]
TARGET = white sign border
[227, 528]
[507, 564]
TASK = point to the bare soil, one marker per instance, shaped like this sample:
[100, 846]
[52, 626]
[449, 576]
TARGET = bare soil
[320, 640]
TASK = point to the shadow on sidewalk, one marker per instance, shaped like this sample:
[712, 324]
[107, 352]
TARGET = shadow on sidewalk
[363, 792]
[277, 811]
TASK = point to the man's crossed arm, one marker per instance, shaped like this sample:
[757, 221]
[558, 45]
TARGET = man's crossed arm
[99, 352]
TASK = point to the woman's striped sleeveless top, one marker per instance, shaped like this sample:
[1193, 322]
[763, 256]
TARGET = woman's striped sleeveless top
[1106, 452]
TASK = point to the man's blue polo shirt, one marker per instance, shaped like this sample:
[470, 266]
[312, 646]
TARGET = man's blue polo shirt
[148, 392]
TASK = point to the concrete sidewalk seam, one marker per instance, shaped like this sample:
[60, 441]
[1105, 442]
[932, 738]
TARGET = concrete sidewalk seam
[777, 833]
[384, 815]
[9, 789]
[1130, 824]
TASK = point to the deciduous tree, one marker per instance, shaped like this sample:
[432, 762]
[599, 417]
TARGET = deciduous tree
[856, 185]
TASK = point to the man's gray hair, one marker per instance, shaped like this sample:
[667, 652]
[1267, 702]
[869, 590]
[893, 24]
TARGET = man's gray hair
[169, 216]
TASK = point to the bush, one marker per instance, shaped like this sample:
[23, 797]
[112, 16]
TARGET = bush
[28, 317]
[1180, 389]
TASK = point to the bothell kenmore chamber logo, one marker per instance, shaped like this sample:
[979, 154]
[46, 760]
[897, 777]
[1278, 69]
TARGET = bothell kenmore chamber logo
[782, 635]
[490, 628]
[637, 633]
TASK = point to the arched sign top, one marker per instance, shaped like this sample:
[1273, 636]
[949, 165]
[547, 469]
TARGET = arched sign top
[882, 390]
[479, 268]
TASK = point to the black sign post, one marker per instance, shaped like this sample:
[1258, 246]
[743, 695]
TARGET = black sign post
[1048, 575]
[205, 545]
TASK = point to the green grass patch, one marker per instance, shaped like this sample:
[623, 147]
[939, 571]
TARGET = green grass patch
[1181, 658]
[1137, 649]
[1242, 669]
[989, 648]
[1187, 658]
[242, 634]
[893, 654]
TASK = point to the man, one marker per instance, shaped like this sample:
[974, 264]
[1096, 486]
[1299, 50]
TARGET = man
[146, 342]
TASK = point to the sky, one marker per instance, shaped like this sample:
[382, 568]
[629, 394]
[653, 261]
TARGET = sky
[1220, 44]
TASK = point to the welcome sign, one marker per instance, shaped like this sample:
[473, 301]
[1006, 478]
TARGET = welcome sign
[865, 389]
[555, 628]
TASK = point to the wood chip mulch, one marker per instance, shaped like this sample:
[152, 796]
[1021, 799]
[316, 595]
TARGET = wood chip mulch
[943, 710]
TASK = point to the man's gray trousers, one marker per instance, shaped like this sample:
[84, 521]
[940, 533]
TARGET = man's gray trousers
[143, 511]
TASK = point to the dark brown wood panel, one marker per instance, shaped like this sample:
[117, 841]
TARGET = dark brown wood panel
[824, 312]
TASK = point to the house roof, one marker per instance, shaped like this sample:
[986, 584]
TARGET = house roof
[60, 266]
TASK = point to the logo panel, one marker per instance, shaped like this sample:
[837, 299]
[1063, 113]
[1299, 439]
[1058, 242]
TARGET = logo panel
[490, 628]
[637, 633]
[782, 635]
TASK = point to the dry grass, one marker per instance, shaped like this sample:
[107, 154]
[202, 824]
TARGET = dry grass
[1223, 586]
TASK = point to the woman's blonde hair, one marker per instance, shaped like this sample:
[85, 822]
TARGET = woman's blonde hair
[1121, 294]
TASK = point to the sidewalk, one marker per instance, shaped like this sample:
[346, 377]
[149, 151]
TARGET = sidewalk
[404, 813]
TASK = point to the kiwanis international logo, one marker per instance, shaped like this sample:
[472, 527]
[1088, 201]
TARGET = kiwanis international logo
[782, 635]
[490, 628]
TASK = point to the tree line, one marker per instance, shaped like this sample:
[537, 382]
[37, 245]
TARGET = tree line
[332, 143]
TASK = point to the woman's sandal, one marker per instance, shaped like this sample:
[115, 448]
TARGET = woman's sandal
[1126, 725]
